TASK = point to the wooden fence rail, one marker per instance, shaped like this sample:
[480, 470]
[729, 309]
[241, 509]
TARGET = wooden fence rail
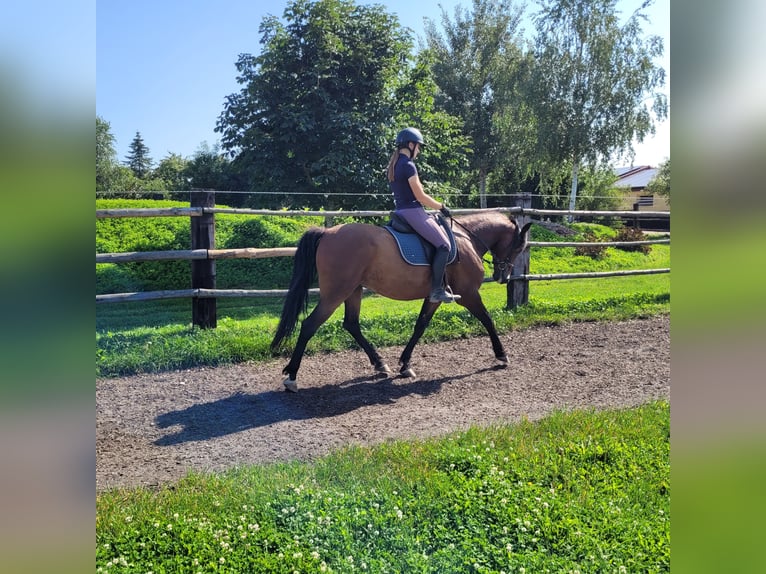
[203, 254]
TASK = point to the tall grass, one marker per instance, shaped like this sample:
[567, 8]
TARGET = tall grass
[580, 491]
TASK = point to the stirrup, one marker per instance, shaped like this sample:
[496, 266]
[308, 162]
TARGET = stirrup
[443, 296]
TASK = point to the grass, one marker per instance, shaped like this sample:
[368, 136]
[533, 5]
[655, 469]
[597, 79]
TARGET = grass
[580, 491]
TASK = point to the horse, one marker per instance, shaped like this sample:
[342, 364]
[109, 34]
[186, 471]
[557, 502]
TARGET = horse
[347, 258]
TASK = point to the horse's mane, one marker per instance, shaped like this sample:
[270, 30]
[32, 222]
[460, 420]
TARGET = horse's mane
[476, 221]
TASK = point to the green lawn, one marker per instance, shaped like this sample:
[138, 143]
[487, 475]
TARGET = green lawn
[579, 491]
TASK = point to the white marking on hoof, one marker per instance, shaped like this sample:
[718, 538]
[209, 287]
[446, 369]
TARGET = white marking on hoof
[290, 385]
[408, 373]
[384, 370]
[503, 361]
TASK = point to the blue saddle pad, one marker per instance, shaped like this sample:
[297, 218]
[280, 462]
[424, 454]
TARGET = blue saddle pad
[417, 251]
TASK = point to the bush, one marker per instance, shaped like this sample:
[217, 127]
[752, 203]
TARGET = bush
[261, 232]
[633, 234]
[119, 235]
[594, 251]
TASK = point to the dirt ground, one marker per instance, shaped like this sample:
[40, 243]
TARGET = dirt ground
[152, 429]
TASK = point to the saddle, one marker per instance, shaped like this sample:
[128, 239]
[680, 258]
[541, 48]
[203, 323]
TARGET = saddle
[414, 249]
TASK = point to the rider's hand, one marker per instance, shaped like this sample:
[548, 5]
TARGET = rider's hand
[444, 211]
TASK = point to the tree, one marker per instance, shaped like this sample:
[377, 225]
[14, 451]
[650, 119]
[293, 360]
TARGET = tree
[211, 169]
[591, 83]
[106, 155]
[138, 160]
[172, 170]
[315, 109]
[474, 57]
[660, 183]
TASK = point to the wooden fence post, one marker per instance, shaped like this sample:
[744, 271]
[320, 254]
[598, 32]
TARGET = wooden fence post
[203, 270]
[518, 290]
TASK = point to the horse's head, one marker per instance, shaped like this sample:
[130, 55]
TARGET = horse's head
[507, 250]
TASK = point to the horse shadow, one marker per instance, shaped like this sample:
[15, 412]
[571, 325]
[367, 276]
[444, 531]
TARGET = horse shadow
[243, 411]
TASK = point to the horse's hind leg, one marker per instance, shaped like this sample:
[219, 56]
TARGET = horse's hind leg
[426, 314]
[351, 323]
[309, 327]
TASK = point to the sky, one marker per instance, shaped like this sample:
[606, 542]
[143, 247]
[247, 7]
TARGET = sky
[165, 68]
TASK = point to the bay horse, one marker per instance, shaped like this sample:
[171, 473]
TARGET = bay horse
[348, 257]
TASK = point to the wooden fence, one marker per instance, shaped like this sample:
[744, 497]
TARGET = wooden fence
[203, 253]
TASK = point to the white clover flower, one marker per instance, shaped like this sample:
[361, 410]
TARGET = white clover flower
[350, 559]
[221, 560]
[169, 526]
[315, 555]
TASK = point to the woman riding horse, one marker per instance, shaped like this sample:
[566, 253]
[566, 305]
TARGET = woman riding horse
[410, 199]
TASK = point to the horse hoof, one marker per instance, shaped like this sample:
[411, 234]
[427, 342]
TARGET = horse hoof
[503, 361]
[407, 373]
[383, 370]
[290, 385]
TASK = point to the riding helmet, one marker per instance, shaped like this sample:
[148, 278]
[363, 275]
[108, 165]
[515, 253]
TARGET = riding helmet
[409, 135]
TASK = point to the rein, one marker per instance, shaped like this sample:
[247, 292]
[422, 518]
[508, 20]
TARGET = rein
[477, 238]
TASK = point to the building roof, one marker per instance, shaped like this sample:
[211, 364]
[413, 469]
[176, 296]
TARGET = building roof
[635, 177]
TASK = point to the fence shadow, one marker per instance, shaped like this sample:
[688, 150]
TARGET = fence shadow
[243, 411]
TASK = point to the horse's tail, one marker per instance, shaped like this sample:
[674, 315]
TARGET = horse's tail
[304, 273]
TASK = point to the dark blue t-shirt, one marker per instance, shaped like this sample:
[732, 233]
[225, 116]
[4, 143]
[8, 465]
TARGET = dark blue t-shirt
[400, 187]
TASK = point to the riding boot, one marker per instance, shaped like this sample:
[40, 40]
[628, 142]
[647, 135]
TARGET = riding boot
[438, 265]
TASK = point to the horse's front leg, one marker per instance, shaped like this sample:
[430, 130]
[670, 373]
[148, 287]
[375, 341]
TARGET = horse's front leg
[476, 307]
[351, 323]
[426, 314]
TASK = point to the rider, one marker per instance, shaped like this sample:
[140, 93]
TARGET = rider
[410, 201]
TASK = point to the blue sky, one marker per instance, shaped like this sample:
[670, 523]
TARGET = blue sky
[164, 68]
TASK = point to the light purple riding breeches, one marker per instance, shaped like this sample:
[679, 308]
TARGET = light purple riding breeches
[426, 226]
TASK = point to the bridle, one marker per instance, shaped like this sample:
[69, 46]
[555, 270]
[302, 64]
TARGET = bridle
[501, 265]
